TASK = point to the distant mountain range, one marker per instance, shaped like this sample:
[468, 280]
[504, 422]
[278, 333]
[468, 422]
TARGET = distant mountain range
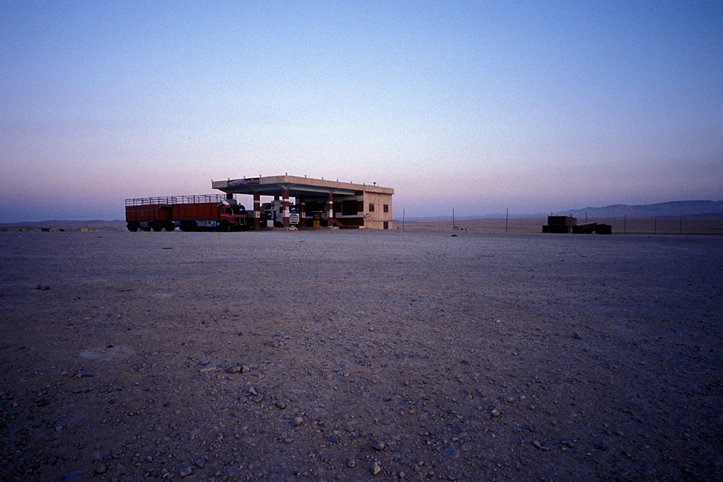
[70, 225]
[672, 209]
[667, 209]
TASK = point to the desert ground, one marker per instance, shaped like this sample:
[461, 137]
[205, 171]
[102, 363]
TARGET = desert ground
[360, 355]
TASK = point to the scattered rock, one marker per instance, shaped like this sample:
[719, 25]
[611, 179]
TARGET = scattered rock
[376, 468]
[298, 421]
[539, 446]
[451, 452]
[378, 445]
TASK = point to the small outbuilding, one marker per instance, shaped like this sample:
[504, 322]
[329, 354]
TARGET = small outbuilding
[559, 224]
[318, 202]
[568, 224]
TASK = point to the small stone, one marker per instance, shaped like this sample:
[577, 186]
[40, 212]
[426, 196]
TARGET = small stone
[234, 369]
[539, 446]
[84, 374]
[495, 413]
[577, 336]
[298, 421]
[451, 452]
[351, 463]
[376, 468]
[101, 469]
[200, 463]
[378, 445]
[186, 471]
[245, 369]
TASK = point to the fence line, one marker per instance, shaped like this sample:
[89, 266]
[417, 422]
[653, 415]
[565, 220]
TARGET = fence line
[662, 225]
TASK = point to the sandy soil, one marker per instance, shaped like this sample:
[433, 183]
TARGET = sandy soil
[337, 355]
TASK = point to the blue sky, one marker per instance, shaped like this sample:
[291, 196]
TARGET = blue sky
[477, 106]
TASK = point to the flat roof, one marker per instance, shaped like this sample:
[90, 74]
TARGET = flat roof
[297, 186]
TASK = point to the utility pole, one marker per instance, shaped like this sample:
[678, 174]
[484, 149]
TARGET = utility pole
[507, 216]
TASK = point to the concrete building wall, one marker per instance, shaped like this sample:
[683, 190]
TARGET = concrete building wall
[377, 211]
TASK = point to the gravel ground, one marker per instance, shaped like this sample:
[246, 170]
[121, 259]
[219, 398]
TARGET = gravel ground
[360, 355]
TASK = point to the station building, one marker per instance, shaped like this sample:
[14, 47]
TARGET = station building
[320, 203]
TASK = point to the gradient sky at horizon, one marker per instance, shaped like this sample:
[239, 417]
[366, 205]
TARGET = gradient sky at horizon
[478, 106]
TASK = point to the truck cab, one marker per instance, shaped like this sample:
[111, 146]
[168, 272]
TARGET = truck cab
[232, 215]
[272, 214]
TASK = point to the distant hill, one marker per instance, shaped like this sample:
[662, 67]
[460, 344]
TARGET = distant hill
[67, 225]
[673, 209]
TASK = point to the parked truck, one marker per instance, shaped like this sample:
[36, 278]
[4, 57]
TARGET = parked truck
[272, 214]
[189, 213]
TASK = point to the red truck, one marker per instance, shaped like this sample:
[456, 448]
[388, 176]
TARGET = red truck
[189, 213]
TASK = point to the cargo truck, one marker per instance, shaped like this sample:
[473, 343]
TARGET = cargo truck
[189, 213]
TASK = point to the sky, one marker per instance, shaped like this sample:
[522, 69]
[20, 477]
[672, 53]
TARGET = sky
[476, 106]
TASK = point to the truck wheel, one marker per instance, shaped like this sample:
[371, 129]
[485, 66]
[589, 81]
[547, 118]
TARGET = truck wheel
[225, 227]
[132, 227]
[157, 226]
[170, 226]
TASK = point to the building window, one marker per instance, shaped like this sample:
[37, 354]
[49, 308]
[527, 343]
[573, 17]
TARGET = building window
[386, 208]
[371, 207]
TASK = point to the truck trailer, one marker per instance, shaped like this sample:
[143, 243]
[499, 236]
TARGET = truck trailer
[189, 213]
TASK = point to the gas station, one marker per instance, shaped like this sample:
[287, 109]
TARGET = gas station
[319, 202]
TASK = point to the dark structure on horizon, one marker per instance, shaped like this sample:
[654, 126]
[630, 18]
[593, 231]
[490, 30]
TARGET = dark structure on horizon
[568, 224]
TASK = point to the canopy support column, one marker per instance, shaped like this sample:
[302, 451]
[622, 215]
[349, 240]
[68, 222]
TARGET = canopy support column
[302, 212]
[285, 200]
[257, 210]
[330, 210]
